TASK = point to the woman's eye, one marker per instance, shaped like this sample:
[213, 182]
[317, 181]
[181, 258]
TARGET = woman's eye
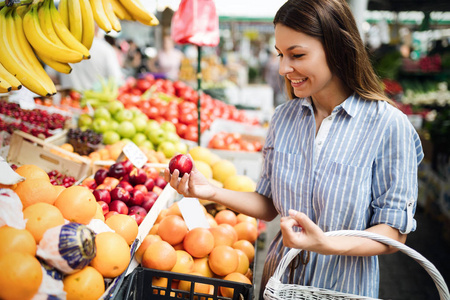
[280, 55]
[297, 55]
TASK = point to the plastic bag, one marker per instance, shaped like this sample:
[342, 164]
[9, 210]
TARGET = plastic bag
[11, 209]
[196, 22]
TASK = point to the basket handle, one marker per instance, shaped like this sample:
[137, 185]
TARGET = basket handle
[427, 265]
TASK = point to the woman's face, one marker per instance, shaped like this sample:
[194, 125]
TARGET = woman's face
[303, 62]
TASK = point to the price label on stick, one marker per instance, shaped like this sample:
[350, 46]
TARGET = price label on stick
[135, 155]
[192, 213]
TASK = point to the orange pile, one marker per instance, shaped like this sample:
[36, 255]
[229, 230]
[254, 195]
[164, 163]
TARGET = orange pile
[225, 250]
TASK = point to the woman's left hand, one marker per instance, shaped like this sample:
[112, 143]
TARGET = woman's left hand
[310, 237]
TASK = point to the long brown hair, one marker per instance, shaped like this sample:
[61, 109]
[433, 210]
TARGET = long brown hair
[332, 22]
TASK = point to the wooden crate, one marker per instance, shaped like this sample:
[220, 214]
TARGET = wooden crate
[27, 149]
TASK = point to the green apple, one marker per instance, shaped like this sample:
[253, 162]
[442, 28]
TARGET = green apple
[123, 115]
[102, 113]
[100, 125]
[181, 147]
[139, 138]
[151, 126]
[110, 137]
[115, 106]
[168, 148]
[113, 125]
[140, 122]
[156, 136]
[84, 120]
[172, 137]
[168, 126]
[148, 145]
[125, 141]
[126, 129]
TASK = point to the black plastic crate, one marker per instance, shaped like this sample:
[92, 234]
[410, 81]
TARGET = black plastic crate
[140, 286]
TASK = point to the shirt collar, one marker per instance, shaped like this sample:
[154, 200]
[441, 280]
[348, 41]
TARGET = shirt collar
[350, 105]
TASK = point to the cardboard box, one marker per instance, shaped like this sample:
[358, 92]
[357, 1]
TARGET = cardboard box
[27, 149]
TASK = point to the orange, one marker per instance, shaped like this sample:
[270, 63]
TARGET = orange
[124, 225]
[231, 228]
[58, 189]
[201, 266]
[162, 282]
[223, 260]
[87, 284]
[226, 216]
[174, 209]
[154, 229]
[104, 154]
[199, 242]
[159, 255]
[245, 218]
[199, 287]
[238, 277]
[222, 236]
[37, 190]
[113, 254]
[77, 204]
[162, 214]
[143, 246]
[172, 229]
[244, 262]
[32, 172]
[16, 240]
[184, 264]
[67, 147]
[246, 231]
[41, 216]
[179, 246]
[99, 213]
[246, 247]
[212, 222]
[21, 276]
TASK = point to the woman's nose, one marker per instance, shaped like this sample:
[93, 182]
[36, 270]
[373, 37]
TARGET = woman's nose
[285, 68]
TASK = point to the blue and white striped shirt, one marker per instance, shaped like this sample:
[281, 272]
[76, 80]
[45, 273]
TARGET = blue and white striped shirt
[360, 170]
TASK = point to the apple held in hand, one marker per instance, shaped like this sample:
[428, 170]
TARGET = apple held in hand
[182, 163]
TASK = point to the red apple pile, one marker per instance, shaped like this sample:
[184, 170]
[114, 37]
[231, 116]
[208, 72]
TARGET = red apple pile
[125, 189]
[234, 141]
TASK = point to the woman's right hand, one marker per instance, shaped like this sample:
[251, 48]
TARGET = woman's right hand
[193, 184]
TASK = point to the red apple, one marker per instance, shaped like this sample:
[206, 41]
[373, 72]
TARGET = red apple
[136, 209]
[160, 182]
[182, 163]
[141, 187]
[136, 197]
[119, 206]
[138, 217]
[110, 213]
[149, 200]
[126, 185]
[90, 183]
[137, 176]
[119, 193]
[102, 195]
[100, 176]
[149, 184]
[151, 172]
[128, 165]
[104, 206]
[117, 170]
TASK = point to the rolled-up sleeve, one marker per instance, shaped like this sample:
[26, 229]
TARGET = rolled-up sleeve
[395, 189]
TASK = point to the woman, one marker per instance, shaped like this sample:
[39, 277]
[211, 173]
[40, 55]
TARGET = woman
[337, 156]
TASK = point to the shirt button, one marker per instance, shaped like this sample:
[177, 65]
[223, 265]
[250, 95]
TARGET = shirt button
[319, 143]
[330, 118]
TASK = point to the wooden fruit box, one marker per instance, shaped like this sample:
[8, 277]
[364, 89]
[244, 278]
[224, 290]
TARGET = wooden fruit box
[27, 149]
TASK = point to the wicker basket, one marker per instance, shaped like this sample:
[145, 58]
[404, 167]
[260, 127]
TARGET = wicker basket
[280, 291]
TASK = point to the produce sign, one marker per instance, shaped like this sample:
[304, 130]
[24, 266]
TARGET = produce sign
[35, 32]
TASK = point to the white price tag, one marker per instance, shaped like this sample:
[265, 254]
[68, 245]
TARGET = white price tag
[192, 212]
[135, 155]
[25, 98]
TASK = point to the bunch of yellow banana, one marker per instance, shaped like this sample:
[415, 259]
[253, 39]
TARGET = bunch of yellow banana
[19, 64]
[78, 17]
[136, 11]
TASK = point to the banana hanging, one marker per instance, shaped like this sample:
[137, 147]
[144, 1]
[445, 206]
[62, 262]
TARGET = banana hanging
[88, 23]
[75, 19]
[100, 15]
[11, 79]
[109, 11]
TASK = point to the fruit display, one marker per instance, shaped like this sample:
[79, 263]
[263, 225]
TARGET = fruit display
[117, 123]
[84, 141]
[125, 189]
[57, 178]
[176, 102]
[36, 32]
[234, 141]
[37, 122]
[59, 243]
